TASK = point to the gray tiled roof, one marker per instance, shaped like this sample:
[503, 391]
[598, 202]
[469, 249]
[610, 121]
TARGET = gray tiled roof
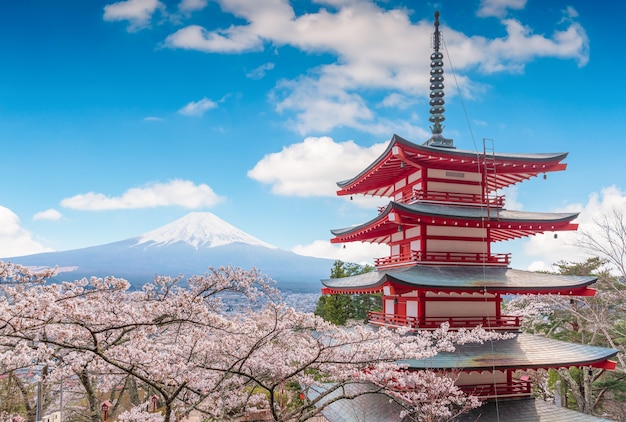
[460, 154]
[378, 408]
[504, 280]
[374, 407]
[525, 410]
[465, 213]
[484, 212]
[522, 351]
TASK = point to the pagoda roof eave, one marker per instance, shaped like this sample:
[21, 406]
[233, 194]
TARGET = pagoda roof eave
[509, 223]
[378, 408]
[523, 351]
[391, 162]
[447, 278]
[525, 410]
[479, 213]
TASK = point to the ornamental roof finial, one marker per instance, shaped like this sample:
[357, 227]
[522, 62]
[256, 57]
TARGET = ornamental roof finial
[436, 35]
[436, 92]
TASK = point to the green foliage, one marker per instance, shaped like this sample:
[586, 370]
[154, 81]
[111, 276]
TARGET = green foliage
[596, 320]
[342, 269]
[339, 308]
[334, 308]
[11, 395]
[592, 266]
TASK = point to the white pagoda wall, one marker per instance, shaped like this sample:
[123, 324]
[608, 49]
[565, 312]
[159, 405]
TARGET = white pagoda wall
[411, 308]
[416, 176]
[437, 245]
[483, 377]
[474, 239]
[411, 183]
[389, 306]
[397, 196]
[472, 306]
[454, 176]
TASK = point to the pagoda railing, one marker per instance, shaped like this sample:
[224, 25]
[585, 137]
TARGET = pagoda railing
[460, 198]
[442, 257]
[397, 260]
[391, 320]
[503, 322]
[515, 389]
[410, 196]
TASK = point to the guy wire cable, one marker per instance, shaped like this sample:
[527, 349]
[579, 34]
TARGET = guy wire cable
[485, 190]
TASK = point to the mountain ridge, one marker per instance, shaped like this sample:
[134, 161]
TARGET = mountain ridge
[188, 246]
[200, 229]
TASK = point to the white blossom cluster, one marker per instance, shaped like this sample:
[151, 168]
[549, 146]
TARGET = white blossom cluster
[173, 340]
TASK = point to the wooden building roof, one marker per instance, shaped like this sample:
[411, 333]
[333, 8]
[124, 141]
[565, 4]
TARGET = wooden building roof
[502, 224]
[525, 410]
[376, 407]
[446, 278]
[523, 351]
[402, 157]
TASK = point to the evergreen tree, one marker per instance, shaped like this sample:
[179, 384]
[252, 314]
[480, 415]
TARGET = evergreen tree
[341, 307]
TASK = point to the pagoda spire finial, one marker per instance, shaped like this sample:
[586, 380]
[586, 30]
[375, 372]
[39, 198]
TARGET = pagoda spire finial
[436, 35]
[436, 92]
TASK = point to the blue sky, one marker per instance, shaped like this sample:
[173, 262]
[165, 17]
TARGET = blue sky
[119, 117]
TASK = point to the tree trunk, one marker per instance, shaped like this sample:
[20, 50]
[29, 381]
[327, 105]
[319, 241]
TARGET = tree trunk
[133, 392]
[31, 411]
[575, 388]
[587, 390]
[94, 406]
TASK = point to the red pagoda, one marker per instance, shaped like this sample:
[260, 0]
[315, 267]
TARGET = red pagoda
[444, 215]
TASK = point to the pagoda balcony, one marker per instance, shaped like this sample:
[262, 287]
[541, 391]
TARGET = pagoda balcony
[517, 388]
[410, 196]
[463, 258]
[503, 322]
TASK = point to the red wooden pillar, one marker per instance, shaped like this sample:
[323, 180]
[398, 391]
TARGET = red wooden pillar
[421, 307]
[422, 255]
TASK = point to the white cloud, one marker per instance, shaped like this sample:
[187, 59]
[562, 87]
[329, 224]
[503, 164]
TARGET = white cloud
[198, 108]
[137, 12]
[49, 214]
[569, 13]
[521, 46]
[231, 40]
[260, 71]
[552, 250]
[481, 123]
[152, 119]
[15, 240]
[398, 100]
[314, 166]
[393, 57]
[510, 198]
[181, 193]
[540, 266]
[357, 252]
[188, 6]
[498, 8]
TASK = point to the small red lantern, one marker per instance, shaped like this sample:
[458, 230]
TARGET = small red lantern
[105, 409]
[154, 402]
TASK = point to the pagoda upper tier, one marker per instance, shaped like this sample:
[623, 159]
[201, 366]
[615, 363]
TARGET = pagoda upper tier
[407, 172]
[461, 279]
[432, 220]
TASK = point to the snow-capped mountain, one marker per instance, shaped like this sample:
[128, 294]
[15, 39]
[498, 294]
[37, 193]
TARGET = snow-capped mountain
[186, 246]
[199, 229]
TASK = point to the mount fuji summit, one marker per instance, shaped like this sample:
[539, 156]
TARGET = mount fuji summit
[188, 246]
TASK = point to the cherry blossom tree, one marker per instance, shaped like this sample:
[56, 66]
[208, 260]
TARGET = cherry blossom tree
[595, 320]
[174, 339]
